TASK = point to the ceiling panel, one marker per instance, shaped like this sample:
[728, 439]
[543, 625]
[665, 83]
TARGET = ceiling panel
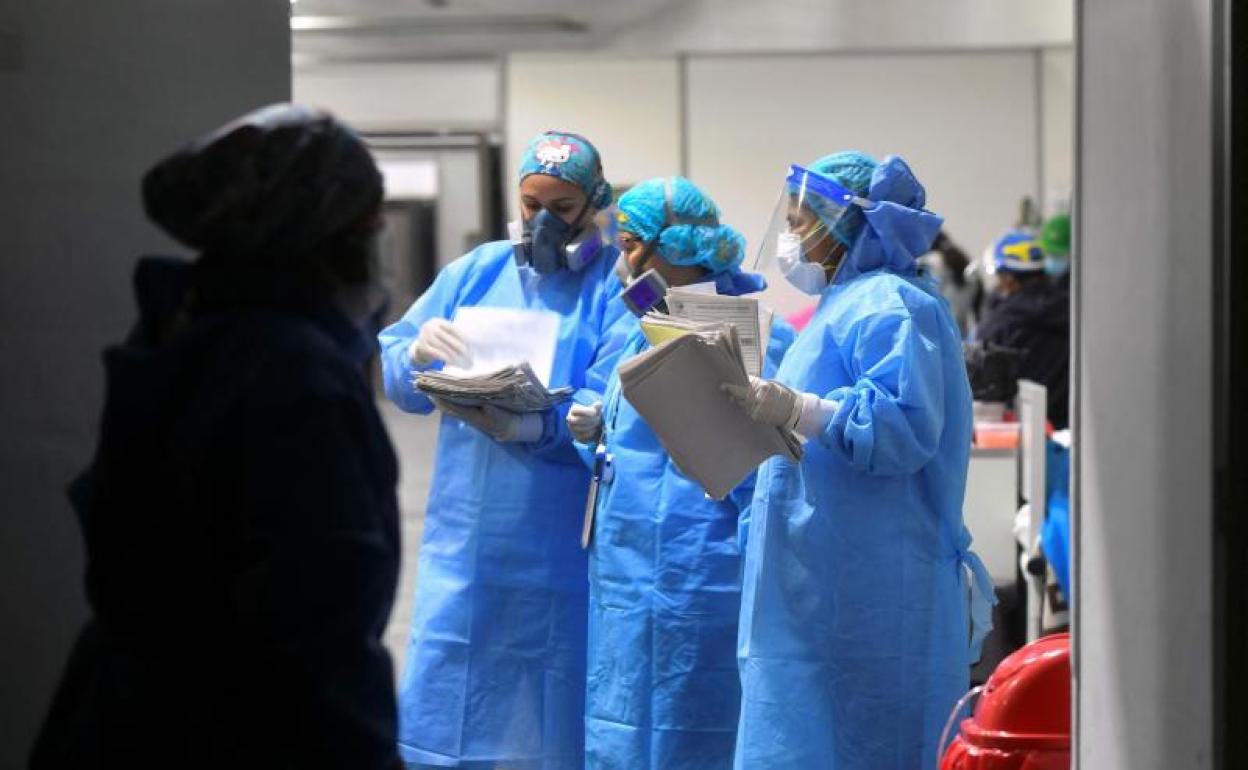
[336, 31]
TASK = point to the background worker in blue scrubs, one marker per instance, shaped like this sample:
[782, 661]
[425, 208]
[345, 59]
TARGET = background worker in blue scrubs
[854, 630]
[495, 671]
[665, 566]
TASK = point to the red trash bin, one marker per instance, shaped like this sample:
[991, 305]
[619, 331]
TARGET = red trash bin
[1022, 720]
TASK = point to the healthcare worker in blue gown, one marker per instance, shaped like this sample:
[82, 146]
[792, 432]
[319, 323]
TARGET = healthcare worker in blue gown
[855, 640]
[665, 566]
[495, 668]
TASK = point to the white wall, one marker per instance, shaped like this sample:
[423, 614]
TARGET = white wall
[627, 97]
[101, 91]
[409, 96]
[1057, 83]
[1144, 373]
[628, 107]
[966, 122]
[459, 202]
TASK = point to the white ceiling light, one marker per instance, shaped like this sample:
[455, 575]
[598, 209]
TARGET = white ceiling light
[439, 24]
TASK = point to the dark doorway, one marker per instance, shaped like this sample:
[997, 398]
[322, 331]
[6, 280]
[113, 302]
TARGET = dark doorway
[1230, 164]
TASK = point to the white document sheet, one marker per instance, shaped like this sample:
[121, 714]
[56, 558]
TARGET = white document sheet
[702, 287]
[500, 337]
[741, 312]
[765, 318]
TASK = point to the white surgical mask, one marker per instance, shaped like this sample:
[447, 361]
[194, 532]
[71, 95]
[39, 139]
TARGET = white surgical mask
[806, 276]
[788, 251]
[1056, 266]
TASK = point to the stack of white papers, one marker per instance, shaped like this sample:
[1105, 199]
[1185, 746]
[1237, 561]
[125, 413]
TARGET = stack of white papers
[675, 387]
[752, 320]
[514, 388]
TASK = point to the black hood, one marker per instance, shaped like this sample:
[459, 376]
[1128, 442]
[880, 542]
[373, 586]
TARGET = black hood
[1038, 305]
[1035, 321]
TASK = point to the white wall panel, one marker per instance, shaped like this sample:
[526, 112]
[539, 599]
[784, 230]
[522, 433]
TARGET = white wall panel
[427, 96]
[1057, 81]
[627, 107]
[1144, 422]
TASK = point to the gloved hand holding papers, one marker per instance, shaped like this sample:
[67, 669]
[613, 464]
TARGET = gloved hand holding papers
[676, 389]
[499, 424]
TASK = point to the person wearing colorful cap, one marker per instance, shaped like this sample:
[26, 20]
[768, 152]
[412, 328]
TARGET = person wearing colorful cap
[665, 562]
[1031, 315]
[1055, 240]
[854, 629]
[495, 669]
[239, 515]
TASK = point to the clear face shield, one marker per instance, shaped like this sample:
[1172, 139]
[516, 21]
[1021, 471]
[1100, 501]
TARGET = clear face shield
[799, 241]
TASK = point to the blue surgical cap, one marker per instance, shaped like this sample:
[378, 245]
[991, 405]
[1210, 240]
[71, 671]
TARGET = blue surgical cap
[276, 182]
[693, 234]
[852, 170]
[570, 157]
[896, 228]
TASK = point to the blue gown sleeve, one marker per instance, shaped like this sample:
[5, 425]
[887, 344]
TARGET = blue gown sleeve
[397, 369]
[556, 440]
[889, 421]
[618, 326]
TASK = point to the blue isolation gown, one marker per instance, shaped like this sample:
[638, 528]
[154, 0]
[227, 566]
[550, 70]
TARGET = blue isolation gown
[665, 591]
[495, 668]
[855, 641]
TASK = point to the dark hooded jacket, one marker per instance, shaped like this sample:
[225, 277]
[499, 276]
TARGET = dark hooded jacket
[1035, 321]
[242, 544]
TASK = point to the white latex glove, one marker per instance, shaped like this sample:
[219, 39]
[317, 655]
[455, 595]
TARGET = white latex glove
[767, 401]
[816, 414]
[439, 341]
[1022, 527]
[585, 422]
[499, 424]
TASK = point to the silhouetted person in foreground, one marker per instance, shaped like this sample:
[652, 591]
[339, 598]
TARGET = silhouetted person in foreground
[240, 516]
